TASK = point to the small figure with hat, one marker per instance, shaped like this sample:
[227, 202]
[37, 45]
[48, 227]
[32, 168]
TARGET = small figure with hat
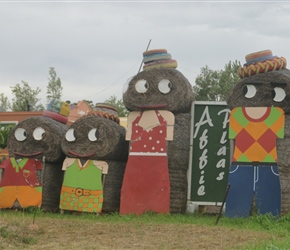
[159, 98]
[32, 175]
[96, 153]
[258, 103]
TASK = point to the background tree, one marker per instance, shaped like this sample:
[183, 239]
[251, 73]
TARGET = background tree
[4, 103]
[90, 103]
[25, 98]
[54, 88]
[5, 130]
[122, 111]
[214, 85]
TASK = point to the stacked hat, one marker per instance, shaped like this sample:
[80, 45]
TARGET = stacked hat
[106, 111]
[158, 58]
[57, 110]
[261, 62]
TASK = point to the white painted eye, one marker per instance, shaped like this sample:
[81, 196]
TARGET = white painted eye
[20, 134]
[126, 85]
[249, 91]
[38, 133]
[278, 94]
[141, 86]
[70, 135]
[164, 86]
[93, 135]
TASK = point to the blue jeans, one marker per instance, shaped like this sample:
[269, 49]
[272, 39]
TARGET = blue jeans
[263, 181]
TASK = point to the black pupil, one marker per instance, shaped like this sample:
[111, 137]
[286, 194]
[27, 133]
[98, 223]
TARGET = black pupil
[245, 90]
[273, 94]
[97, 134]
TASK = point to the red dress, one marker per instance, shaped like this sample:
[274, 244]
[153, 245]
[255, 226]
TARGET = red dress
[146, 185]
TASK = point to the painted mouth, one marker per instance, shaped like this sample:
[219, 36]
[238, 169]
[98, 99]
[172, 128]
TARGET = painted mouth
[28, 155]
[153, 106]
[81, 155]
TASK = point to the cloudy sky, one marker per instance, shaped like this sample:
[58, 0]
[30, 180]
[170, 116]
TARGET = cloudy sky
[95, 46]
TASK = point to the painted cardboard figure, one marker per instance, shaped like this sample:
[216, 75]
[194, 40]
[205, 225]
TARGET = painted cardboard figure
[34, 150]
[256, 122]
[91, 144]
[153, 96]
[20, 183]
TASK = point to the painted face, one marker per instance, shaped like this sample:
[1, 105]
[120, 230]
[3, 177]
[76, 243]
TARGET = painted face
[164, 89]
[93, 137]
[36, 137]
[262, 90]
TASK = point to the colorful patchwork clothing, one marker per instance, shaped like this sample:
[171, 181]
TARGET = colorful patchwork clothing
[254, 170]
[20, 182]
[255, 139]
[82, 188]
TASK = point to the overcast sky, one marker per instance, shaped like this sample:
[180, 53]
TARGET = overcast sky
[95, 46]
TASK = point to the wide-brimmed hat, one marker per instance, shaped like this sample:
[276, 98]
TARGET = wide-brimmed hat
[261, 62]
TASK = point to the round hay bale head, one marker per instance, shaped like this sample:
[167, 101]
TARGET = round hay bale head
[112, 186]
[159, 89]
[262, 90]
[36, 137]
[95, 138]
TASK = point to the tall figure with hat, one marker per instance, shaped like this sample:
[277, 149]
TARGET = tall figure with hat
[156, 96]
[258, 103]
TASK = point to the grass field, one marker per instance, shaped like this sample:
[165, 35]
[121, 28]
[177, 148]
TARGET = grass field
[27, 229]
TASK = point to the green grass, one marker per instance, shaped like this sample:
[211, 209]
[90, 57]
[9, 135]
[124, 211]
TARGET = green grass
[278, 227]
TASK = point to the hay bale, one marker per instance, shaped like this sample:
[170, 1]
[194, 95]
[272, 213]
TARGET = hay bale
[52, 182]
[112, 186]
[49, 147]
[181, 136]
[178, 190]
[178, 162]
[179, 99]
[263, 97]
[265, 83]
[284, 166]
[110, 145]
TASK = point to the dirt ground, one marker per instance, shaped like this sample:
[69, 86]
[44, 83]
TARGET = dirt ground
[47, 233]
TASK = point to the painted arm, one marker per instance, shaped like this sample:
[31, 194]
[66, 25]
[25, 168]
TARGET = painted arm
[170, 120]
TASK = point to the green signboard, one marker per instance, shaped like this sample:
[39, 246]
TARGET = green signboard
[210, 153]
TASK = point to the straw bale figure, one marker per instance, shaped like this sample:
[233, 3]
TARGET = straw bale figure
[159, 99]
[265, 83]
[97, 141]
[38, 139]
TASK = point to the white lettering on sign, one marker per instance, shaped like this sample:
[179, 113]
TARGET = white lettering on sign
[200, 191]
[226, 118]
[203, 159]
[203, 121]
[221, 152]
[221, 176]
[221, 164]
[203, 141]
